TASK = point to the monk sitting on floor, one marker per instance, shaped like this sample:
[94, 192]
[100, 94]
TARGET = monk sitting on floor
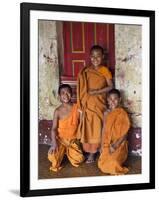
[63, 133]
[114, 148]
[93, 83]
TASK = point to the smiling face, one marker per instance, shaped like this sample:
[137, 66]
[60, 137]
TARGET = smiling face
[65, 95]
[113, 101]
[96, 57]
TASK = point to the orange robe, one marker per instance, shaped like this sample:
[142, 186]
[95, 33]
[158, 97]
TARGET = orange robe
[66, 141]
[117, 125]
[92, 106]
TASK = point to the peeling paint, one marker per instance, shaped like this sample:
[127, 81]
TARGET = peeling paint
[128, 69]
[48, 69]
[137, 152]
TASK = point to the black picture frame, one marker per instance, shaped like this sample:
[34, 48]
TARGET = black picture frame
[25, 9]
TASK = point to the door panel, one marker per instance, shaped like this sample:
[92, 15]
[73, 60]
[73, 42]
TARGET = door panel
[78, 38]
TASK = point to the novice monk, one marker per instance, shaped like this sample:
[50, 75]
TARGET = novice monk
[114, 145]
[63, 132]
[92, 85]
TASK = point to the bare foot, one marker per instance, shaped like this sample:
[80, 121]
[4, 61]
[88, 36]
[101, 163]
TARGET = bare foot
[90, 158]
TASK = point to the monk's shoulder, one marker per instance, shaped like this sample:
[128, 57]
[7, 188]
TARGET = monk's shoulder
[56, 113]
[123, 112]
[105, 71]
[57, 110]
[125, 117]
[82, 70]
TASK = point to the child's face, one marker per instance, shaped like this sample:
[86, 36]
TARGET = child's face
[113, 101]
[96, 57]
[65, 95]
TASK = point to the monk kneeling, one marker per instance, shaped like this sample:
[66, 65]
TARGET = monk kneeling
[63, 132]
[114, 149]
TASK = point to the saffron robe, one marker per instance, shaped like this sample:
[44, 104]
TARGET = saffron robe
[117, 125]
[66, 141]
[92, 106]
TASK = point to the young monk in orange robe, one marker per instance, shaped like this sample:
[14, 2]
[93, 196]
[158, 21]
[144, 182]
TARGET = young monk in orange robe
[114, 148]
[63, 132]
[93, 83]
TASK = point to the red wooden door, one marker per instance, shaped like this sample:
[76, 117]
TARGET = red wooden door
[78, 38]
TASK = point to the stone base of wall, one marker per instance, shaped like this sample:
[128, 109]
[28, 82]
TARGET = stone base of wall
[134, 137]
[44, 133]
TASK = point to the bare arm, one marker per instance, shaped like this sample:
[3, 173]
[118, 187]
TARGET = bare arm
[116, 144]
[54, 133]
[119, 141]
[103, 90]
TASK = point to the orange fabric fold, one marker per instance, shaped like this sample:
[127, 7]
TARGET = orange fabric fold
[90, 148]
[92, 106]
[67, 127]
[72, 150]
[117, 125]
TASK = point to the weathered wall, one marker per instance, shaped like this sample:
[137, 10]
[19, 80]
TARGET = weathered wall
[128, 72]
[48, 69]
[128, 68]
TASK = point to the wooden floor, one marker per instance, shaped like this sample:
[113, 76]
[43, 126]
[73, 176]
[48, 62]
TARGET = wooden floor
[133, 163]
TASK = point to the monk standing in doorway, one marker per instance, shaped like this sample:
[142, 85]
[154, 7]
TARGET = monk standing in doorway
[93, 84]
